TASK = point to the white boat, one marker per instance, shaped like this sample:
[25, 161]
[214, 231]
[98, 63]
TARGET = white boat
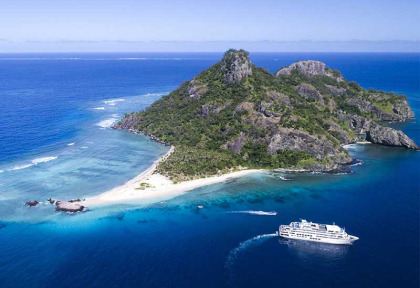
[324, 233]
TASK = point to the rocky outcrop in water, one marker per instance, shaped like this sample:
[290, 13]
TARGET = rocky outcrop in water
[32, 203]
[130, 121]
[71, 206]
[389, 137]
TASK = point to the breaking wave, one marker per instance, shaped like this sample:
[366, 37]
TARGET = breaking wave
[112, 102]
[356, 162]
[71, 144]
[19, 167]
[284, 178]
[43, 159]
[34, 162]
[106, 123]
[261, 213]
[99, 108]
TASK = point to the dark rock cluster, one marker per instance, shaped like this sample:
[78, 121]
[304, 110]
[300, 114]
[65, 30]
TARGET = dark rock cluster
[32, 203]
[71, 206]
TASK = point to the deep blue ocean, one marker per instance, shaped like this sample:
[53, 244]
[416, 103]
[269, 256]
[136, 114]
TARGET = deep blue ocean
[55, 141]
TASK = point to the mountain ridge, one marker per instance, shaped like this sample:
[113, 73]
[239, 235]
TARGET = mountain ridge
[236, 115]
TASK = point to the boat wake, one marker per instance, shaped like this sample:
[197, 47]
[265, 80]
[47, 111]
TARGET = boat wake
[252, 212]
[233, 254]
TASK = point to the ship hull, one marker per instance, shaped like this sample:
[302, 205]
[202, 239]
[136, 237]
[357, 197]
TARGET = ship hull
[322, 240]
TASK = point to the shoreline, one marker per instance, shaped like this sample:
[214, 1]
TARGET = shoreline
[148, 186]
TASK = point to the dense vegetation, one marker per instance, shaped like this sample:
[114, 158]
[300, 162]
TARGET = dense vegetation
[218, 125]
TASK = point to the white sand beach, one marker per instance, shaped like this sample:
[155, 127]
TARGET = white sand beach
[156, 187]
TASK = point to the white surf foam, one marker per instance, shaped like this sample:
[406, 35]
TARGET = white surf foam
[99, 108]
[34, 162]
[1, 171]
[244, 245]
[261, 213]
[349, 146]
[106, 123]
[284, 178]
[43, 159]
[84, 147]
[112, 102]
[71, 144]
[19, 167]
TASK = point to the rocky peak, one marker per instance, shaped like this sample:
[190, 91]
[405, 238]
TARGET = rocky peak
[236, 65]
[309, 68]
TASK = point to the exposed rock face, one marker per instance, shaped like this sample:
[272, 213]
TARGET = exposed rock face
[341, 134]
[295, 140]
[244, 106]
[336, 91]
[196, 90]
[71, 206]
[266, 109]
[129, 122]
[279, 98]
[208, 109]
[360, 124]
[236, 66]
[236, 144]
[309, 68]
[32, 203]
[389, 137]
[378, 134]
[403, 109]
[308, 92]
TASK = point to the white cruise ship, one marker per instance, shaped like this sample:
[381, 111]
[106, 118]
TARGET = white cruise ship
[324, 233]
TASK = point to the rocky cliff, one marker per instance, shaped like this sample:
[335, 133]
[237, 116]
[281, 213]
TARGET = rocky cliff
[245, 116]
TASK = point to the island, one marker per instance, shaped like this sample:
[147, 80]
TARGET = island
[235, 118]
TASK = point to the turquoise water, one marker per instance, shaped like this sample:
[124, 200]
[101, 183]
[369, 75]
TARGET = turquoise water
[48, 102]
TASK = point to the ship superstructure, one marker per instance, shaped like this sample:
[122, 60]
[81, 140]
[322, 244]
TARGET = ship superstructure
[315, 232]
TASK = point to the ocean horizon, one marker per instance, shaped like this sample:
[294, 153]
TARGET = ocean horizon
[56, 141]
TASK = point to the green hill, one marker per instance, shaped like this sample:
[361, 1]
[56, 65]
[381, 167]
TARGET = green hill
[235, 115]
